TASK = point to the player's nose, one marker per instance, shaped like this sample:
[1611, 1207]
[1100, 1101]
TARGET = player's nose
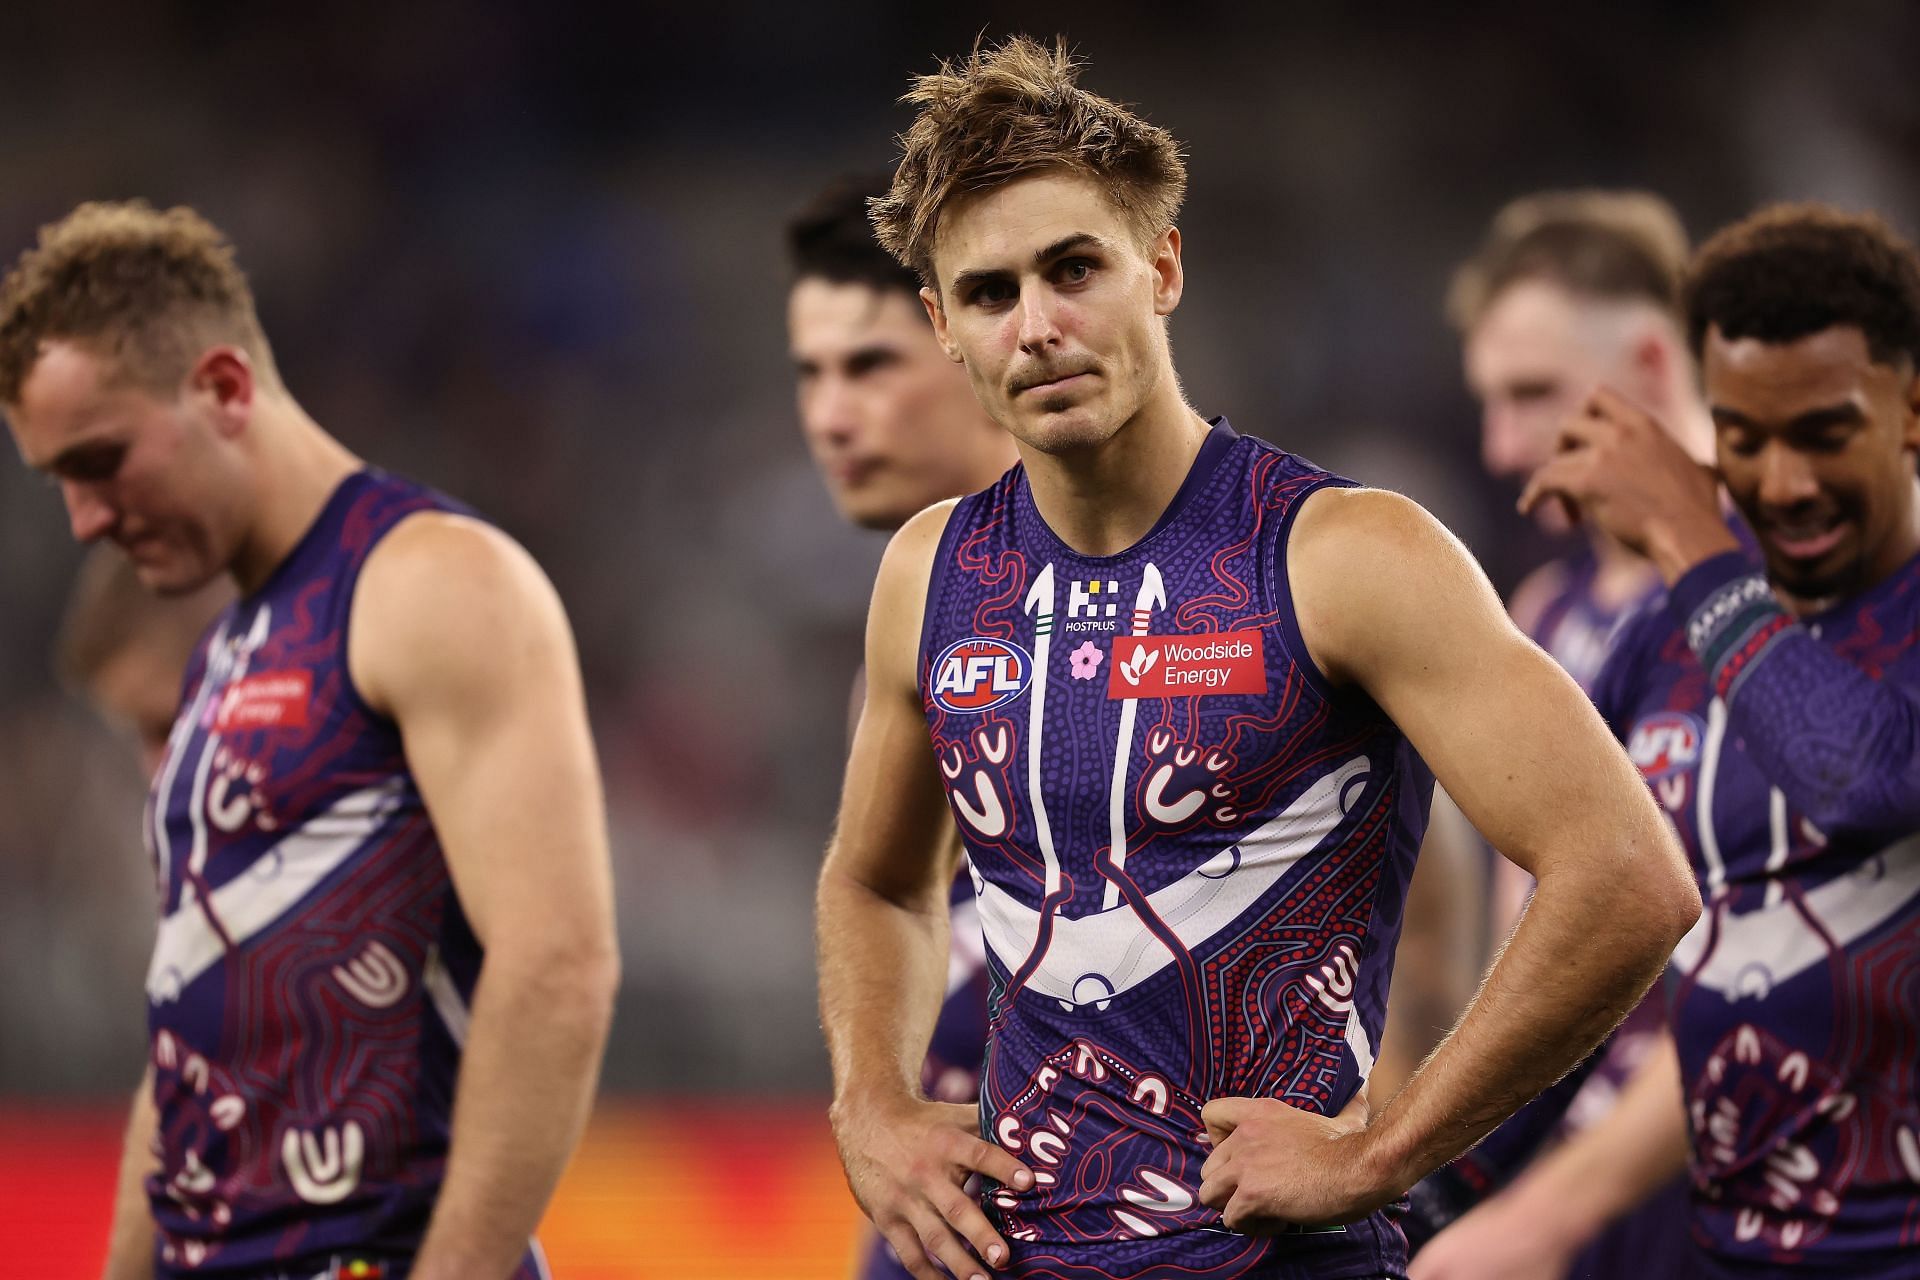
[1039, 320]
[89, 514]
[1786, 476]
[827, 412]
[1504, 447]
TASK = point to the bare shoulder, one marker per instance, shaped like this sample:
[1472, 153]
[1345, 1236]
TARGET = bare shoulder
[900, 590]
[1365, 565]
[445, 597]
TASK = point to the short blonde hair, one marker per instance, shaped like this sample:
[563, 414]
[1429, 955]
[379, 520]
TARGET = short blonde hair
[1615, 245]
[1013, 110]
[149, 289]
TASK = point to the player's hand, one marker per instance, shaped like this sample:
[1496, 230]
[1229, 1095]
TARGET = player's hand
[907, 1164]
[1619, 469]
[1275, 1166]
[1497, 1241]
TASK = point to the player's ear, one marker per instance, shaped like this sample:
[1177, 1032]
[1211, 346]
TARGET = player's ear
[930, 299]
[1169, 277]
[223, 378]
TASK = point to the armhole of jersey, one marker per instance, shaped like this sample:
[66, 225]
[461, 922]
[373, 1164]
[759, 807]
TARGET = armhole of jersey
[1289, 621]
[940, 550]
[353, 598]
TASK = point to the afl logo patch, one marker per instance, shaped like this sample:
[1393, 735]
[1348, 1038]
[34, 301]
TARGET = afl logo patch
[978, 674]
[1665, 744]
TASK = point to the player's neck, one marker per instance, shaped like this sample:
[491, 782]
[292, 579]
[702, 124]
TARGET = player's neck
[1101, 500]
[298, 466]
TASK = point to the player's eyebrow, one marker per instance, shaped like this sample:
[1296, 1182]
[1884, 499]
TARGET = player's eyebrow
[1831, 415]
[973, 277]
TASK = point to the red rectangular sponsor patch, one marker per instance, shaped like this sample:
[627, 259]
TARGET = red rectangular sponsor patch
[271, 699]
[1181, 666]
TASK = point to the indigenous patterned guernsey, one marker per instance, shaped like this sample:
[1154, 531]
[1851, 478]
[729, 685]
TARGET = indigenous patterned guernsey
[1785, 754]
[1190, 854]
[308, 992]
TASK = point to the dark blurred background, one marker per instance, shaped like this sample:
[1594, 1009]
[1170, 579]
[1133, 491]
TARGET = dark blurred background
[531, 254]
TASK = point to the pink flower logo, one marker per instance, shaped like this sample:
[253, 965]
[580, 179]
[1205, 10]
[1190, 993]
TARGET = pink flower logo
[1086, 660]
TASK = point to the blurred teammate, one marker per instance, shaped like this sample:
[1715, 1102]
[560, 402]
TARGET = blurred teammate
[1571, 291]
[125, 650]
[1775, 715]
[894, 427]
[385, 959]
[1158, 663]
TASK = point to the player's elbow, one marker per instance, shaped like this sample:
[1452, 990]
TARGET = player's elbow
[571, 979]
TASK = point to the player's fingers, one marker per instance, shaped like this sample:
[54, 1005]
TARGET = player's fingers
[984, 1157]
[1220, 1157]
[1217, 1187]
[905, 1243]
[1551, 479]
[1608, 405]
[946, 1248]
[965, 1217]
[1223, 1115]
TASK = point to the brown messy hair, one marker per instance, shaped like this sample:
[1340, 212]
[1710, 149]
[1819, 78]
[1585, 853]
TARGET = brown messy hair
[1616, 246]
[149, 289]
[1792, 270]
[1013, 110]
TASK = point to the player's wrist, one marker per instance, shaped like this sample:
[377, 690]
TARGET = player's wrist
[1676, 544]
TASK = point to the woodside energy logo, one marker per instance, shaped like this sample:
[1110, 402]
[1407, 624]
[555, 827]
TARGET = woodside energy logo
[1180, 666]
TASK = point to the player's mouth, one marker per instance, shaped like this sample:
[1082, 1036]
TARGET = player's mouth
[1807, 539]
[1056, 382]
[851, 473]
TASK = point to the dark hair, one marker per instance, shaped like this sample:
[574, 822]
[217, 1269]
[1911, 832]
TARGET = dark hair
[831, 238]
[1791, 270]
[1615, 245]
[1008, 111]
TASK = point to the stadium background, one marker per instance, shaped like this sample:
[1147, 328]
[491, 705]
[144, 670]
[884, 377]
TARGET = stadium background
[531, 254]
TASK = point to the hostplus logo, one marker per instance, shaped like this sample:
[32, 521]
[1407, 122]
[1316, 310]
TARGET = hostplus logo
[1093, 605]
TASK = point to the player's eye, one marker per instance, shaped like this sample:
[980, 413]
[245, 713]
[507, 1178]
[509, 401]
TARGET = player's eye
[94, 465]
[991, 293]
[1075, 271]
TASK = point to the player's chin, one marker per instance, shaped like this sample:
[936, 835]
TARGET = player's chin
[881, 508]
[1068, 428]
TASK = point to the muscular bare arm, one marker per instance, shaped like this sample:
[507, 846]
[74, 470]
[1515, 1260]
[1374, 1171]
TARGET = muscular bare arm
[882, 936]
[460, 638]
[1528, 760]
[130, 1239]
[1442, 946]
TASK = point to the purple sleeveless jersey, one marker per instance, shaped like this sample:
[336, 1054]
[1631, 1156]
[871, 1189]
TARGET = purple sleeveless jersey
[1190, 855]
[1784, 753]
[308, 994]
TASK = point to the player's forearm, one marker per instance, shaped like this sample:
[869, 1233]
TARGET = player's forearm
[1843, 747]
[1594, 939]
[882, 976]
[1614, 1164]
[130, 1239]
[527, 1078]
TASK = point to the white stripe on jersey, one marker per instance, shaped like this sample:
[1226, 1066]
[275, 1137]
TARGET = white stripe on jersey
[1094, 958]
[258, 897]
[1759, 950]
[446, 998]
